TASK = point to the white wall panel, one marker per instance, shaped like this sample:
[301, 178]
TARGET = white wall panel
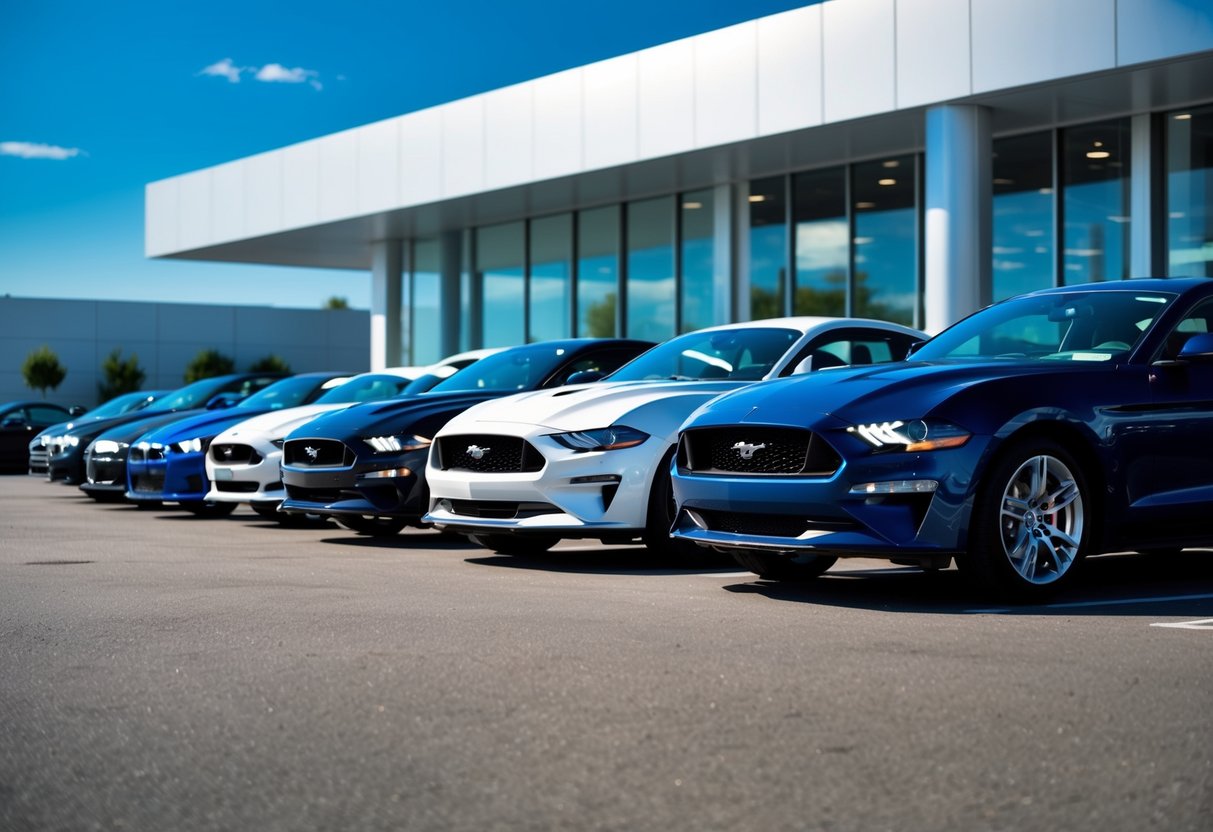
[1036, 40]
[227, 201]
[666, 98]
[301, 184]
[1148, 30]
[932, 51]
[558, 121]
[508, 136]
[859, 58]
[338, 195]
[463, 146]
[194, 216]
[789, 71]
[160, 223]
[421, 157]
[378, 166]
[726, 85]
[611, 112]
[263, 193]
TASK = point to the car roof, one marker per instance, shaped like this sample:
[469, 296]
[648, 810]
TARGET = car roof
[1174, 285]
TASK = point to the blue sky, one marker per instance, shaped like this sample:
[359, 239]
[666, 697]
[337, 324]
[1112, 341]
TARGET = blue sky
[98, 99]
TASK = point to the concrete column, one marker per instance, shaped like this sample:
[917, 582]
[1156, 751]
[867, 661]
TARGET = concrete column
[386, 267]
[1142, 262]
[450, 264]
[959, 209]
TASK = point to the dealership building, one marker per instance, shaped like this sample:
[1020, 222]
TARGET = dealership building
[910, 160]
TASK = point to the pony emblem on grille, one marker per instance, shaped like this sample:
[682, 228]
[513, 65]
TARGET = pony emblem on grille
[747, 450]
[312, 453]
[477, 452]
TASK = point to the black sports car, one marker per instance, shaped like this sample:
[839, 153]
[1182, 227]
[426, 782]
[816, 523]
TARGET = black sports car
[42, 445]
[1064, 422]
[365, 465]
[19, 423]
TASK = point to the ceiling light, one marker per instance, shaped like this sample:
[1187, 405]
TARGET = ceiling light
[862, 205]
[886, 182]
[1183, 117]
[691, 206]
[1002, 181]
[1098, 154]
[892, 163]
[758, 198]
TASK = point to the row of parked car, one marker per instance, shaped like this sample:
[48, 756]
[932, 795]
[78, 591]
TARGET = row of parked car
[1041, 429]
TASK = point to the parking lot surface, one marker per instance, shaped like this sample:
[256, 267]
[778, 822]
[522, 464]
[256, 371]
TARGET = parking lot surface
[161, 671]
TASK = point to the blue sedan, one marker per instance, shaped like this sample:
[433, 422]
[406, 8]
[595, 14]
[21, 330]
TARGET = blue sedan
[1047, 427]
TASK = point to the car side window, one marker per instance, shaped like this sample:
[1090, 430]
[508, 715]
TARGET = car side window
[39, 415]
[14, 418]
[1199, 320]
[845, 348]
[603, 361]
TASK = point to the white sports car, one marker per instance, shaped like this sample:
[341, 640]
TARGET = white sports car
[243, 464]
[593, 460]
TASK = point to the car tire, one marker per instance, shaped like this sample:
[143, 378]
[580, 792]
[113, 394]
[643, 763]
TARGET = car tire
[372, 526]
[1030, 529]
[206, 508]
[660, 518]
[803, 567]
[515, 544]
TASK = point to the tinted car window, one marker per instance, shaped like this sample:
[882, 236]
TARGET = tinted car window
[517, 369]
[287, 392]
[722, 354]
[367, 389]
[40, 415]
[851, 347]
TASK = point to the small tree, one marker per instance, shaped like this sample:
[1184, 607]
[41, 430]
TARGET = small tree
[208, 364]
[337, 302]
[270, 364]
[42, 370]
[120, 376]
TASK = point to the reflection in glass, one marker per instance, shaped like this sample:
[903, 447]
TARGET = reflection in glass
[819, 214]
[1095, 202]
[551, 277]
[1023, 214]
[699, 301]
[886, 250]
[650, 296]
[425, 304]
[597, 271]
[1190, 192]
[768, 247]
[499, 271]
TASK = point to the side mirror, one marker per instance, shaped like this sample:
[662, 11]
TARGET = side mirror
[77, 410]
[222, 401]
[585, 377]
[1198, 348]
[805, 366]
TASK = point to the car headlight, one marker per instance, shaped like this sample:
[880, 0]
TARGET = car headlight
[106, 446]
[66, 441]
[44, 440]
[913, 435]
[192, 446]
[396, 444]
[601, 439]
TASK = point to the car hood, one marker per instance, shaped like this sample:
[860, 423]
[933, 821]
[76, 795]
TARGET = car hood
[596, 405]
[277, 423]
[89, 430]
[901, 390]
[423, 413]
[205, 423]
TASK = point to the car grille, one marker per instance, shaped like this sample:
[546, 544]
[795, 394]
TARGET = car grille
[38, 460]
[488, 454]
[232, 454]
[149, 483]
[104, 471]
[235, 487]
[320, 495]
[317, 453]
[500, 509]
[146, 454]
[771, 451]
[769, 525]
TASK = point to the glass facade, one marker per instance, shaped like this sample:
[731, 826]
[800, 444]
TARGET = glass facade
[500, 269]
[1189, 186]
[821, 229]
[424, 334]
[598, 271]
[699, 296]
[650, 269]
[768, 247]
[885, 199]
[1095, 202]
[1023, 214]
[551, 278]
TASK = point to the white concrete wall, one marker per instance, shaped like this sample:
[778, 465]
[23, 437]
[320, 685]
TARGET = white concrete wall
[830, 62]
[166, 337]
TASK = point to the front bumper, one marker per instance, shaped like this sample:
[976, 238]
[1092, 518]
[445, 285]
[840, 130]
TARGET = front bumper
[256, 481]
[66, 464]
[795, 514]
[590, 494]
[105, 473]
[172, 477]
[380, 486]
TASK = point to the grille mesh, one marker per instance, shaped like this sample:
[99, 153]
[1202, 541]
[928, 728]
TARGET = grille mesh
[235, 454]
[758, 450]
[489, 454]
[317, 453]
[768, 525]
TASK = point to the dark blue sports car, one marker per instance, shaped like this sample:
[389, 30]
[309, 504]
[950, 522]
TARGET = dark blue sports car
[1057, 424]
[365, 465]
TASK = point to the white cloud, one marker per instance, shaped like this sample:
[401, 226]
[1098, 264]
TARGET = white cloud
[272, 73]
[225, 69]
[32, 150]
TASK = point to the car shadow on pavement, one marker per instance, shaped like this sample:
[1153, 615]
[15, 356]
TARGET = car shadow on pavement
[1111, 585]
[419, 539]
[622, 560]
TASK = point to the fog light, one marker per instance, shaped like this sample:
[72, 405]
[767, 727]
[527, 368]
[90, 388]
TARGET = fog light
[896, 487]
[387, 472]
[607, 478]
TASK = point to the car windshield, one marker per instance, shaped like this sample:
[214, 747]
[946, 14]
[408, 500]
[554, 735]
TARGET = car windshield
[365, 389]
[1071, 326]
[290, 392]
[521, 368]
[736, 354]
[122, 404]
[188, 397]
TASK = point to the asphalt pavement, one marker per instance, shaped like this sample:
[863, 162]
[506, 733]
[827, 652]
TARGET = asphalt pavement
[164, 672]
